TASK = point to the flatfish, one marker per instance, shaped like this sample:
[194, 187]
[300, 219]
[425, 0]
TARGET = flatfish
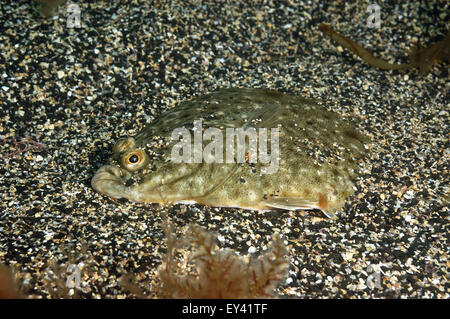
[239, 147]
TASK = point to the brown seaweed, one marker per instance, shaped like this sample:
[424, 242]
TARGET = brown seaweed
[419, 58]
[424, 58]
[9, 289]
[220, 273]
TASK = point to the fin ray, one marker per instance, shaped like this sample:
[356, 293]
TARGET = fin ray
[296, 203]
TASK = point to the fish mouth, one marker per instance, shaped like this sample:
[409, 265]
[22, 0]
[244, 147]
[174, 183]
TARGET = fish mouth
[111, 180]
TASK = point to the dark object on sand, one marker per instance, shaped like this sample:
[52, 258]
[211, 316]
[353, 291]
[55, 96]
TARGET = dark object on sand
[48, 7]
[419, 58]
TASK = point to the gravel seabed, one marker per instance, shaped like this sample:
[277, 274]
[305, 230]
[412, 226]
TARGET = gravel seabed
[76, 90]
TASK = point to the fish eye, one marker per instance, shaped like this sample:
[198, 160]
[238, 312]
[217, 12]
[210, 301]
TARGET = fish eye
[134, 160]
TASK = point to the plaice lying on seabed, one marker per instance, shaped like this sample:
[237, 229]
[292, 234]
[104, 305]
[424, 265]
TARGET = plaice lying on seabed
[317, 155]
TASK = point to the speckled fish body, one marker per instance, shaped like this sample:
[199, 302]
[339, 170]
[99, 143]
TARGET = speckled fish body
[318, 156]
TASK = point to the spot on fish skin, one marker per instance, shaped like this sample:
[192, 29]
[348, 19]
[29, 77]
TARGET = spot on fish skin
[351, 134]
[335, 172]
[323, 201]
[252, 196]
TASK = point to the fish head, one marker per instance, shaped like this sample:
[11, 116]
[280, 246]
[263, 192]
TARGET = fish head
[128, 163]
[142, 172]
